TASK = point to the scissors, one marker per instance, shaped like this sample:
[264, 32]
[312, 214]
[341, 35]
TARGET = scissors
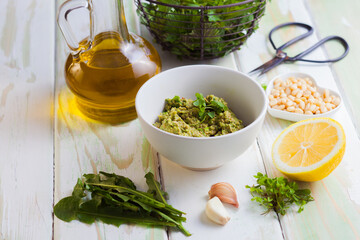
[281, 56]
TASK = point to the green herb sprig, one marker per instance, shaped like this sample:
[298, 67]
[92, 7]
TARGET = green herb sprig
[115, 200]
[264, 86]
[208, 108]
[278, 194]
[176, 99]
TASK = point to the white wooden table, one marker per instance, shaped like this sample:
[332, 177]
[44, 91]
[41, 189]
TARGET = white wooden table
[45, 144]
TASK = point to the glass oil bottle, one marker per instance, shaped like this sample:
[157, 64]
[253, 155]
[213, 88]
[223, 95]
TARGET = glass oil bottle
[106, 69]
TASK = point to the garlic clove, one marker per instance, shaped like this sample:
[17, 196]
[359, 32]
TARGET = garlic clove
[216, 211]
[225, 192]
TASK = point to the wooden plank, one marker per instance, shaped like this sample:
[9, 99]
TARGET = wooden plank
[26, 130]
[335, 212]
[188, 189]
[85, 146]
[344, 21]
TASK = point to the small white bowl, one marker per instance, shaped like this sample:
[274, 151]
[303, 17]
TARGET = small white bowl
[244, 96]
[297, 116]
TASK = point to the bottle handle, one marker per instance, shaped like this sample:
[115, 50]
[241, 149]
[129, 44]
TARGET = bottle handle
[65, 9]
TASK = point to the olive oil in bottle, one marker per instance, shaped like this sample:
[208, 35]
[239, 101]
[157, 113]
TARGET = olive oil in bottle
[106, 70]
[106, 78]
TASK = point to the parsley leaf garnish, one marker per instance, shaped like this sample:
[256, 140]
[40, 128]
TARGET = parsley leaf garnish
[176, 99]
[278, 194]
[211, 114]
[208, 109]
[200, 101]
[217, 106]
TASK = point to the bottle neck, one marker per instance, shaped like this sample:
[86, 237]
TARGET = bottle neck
[122, 21]
[109, 16]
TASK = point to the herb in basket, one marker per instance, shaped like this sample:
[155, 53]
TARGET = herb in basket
[113, 199]
[187, 30]
[278, 194]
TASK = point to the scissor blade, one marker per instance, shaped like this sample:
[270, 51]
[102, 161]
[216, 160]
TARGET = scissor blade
[265, 65]
[268, 65]
[274, 62]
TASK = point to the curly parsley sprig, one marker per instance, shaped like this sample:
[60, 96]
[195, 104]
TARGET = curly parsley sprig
[278, 194]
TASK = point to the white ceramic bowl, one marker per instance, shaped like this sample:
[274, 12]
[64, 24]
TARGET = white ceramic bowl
[297, 116]
[244, 96]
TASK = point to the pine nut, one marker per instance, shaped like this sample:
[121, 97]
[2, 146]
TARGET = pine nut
[294, 86]
[298, 110]
[326, 93]
[317, 102]
[281, 107]
[273, 102]
[337, 101]
[292, 79]
[329, 106]
[277, 81]
[303, 82]
[299, 94]
[302, 105]
[307, 93]
[316, 95]
[308, 81]
[294, 92]
[291, 109]
[312, 108]
[327, 100]
[323, 109]
[289, 103]
[288, 91]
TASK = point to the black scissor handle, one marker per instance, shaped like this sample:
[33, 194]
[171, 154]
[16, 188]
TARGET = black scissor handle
[294, 40]
[318, 44]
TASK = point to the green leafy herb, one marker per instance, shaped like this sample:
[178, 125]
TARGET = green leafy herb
[217, 106]
[201, 104]
[176, 99]
[200, 100]
[264, 86]
[211, 114]
[183, 30]
[208, 107]
[113, 199]
[278, 194]
[155, 188]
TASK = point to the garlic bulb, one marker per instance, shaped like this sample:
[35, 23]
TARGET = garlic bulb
[225, 192]
[216, 211]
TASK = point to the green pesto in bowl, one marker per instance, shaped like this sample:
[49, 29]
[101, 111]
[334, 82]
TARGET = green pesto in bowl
[204, 117]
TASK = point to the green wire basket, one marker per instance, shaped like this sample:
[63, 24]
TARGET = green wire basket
[200, 32]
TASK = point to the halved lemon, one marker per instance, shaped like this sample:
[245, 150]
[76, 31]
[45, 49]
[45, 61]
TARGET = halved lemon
[309, 150]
